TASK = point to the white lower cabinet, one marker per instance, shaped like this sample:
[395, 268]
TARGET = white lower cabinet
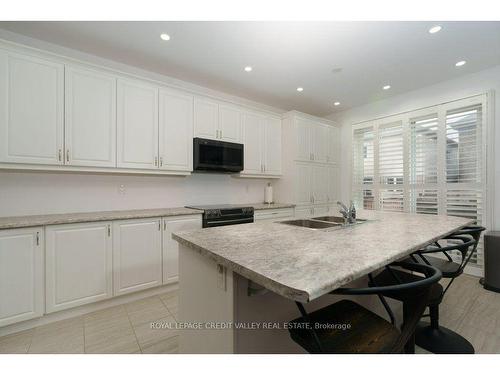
[21, 274]
[273, 215]
[137, 255]
[171, 247]
[78, 264]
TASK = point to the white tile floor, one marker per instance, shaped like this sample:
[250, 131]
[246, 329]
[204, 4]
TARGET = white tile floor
[120, 329]
[467, 308]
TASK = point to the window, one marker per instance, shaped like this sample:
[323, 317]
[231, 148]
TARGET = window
[429, 161]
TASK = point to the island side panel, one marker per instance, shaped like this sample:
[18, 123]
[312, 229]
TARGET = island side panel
[203, 299]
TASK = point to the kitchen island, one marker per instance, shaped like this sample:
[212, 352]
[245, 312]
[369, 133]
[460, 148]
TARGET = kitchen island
[251, 274]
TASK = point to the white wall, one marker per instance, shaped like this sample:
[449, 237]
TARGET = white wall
[25, 193]
[39, 193]
[468, 85]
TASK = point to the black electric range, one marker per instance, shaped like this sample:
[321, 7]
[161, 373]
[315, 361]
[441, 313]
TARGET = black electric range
[217, 215]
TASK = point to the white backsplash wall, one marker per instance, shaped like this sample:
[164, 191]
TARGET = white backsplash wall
[24, 193]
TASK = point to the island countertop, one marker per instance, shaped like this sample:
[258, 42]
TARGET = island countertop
[303, 264]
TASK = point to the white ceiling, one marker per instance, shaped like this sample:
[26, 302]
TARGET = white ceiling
[285, 55]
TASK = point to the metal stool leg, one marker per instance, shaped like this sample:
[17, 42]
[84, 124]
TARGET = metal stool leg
[440, 340]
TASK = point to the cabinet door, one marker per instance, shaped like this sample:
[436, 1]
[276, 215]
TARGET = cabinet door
[333, 145]
[136, 255]
[321, 211]
[21, 275]
[137, 125]
[31, 110]
[78, 264]
[303, 184]
[333, 183]
[206, 118]
[176, 131]
[171, 247]
[303, 140]
[319, 142]
[253, 125]
[272, 150]
[90, 118]
[320, 184]
[229, 123]
[302, 212]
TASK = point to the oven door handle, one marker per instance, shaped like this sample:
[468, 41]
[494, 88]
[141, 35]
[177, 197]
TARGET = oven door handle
[234, 221]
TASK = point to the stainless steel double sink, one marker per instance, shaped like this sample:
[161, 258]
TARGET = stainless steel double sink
[321, 222]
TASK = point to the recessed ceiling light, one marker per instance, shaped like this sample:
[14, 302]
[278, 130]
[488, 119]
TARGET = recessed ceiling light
[248, 68]
[461, 63]
[435, 29]
[300, 89]
[165, 36]
[386, 87]
[336, 103]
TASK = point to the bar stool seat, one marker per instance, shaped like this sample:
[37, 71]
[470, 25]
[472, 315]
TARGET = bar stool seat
[386, 278]
[448, 268]
[368, 332]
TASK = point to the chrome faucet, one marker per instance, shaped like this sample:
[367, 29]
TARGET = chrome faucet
[349, 214]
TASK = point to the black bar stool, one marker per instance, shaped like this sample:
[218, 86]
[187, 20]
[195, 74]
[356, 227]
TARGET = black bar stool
[347, 327]
[433, 337]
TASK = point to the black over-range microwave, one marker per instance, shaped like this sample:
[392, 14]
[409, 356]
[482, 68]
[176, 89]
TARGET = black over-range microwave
[217, 156]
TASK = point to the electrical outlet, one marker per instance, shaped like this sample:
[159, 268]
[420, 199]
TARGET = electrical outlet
[121, 189]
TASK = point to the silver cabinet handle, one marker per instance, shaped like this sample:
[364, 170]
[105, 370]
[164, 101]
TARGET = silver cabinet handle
[67, 155]
[156, 161]
[109, 230]
[161, 161]
[60, 155]
[164, 225]
[37, 238]
[159, 224]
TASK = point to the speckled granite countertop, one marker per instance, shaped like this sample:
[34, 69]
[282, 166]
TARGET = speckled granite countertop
[82, 217]
[267, 206]
[303, 264]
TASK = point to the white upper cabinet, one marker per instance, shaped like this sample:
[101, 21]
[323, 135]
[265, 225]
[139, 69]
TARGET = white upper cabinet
[137, 255]
[333, 144]
[78, 264]
[229, 123]
[137, 125]
[315, 142]
[272, 150]
[319, 144]
[21, 274]
[253, 125]
[206, 118]
[176, 130]
[303, 140]
[90, 118]
[31, 110]
[217, 120]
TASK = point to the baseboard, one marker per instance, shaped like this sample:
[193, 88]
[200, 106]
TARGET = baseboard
[82, 310]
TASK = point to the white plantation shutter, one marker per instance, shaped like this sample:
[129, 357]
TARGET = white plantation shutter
[363, 160]
[422, 164]
[430, 161]
[464, 178]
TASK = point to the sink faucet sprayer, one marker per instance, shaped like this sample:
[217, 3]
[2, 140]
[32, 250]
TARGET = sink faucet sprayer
[349, 214]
